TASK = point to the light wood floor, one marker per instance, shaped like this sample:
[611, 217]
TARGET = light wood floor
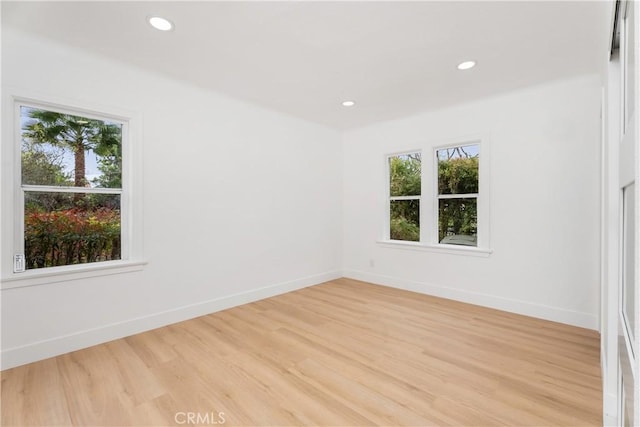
[344, 353]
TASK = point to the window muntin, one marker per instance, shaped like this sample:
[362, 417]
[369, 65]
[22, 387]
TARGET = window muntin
[71, 187]
[405, 181]
[458, 186]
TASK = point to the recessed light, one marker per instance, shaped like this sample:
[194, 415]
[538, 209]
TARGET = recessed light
[348, 103]
[466, 65]
[160, 23]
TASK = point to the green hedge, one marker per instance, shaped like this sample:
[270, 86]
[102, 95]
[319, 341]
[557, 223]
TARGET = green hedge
[71, 236]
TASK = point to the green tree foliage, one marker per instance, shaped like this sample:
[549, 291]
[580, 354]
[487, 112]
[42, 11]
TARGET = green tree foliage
[404, 174]
[110, 164]
[405, 220]
[458, 176]
[40, 167]
[77, 134]
[457, 217]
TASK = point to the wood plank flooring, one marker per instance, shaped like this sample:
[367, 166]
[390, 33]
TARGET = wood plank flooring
[343, 353]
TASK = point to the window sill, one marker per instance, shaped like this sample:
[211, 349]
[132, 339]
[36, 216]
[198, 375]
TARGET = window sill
[68, 273]
[440, 249]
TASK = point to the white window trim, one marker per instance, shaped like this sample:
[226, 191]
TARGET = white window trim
[12, 222]
[429, 205]
[439, 248]
[71, 272]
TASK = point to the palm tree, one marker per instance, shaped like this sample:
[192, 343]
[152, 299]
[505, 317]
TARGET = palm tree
[78, 134]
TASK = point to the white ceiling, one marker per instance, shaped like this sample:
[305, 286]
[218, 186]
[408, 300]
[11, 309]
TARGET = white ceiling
[303, 58]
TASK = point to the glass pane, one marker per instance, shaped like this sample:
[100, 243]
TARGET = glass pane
[458, 169]
[628, 259]
[71, 228]
[65, 150]
[458, 221]
[404, 174]
[405, 220]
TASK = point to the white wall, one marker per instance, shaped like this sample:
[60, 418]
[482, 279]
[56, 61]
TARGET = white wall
[544, 209]
[235, 199]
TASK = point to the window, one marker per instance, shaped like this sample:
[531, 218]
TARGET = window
[439, 206]
[70, 209]
[404, 196]
[458, 186]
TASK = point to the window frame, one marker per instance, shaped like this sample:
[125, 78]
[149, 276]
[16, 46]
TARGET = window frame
[12, 222]
[390, 198]
[435, 218]
[429, 200]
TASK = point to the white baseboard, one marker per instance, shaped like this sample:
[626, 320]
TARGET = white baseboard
[556, 314]
[40, 350]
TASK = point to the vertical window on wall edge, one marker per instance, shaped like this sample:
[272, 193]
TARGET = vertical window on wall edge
[71, 209]
[405, 175]
[457, 194]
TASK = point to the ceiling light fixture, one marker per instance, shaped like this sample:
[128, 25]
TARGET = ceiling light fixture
[466, 65]
[160, 23]
[348, 103]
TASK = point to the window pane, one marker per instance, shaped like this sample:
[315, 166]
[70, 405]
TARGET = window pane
[458, 221]
[405, 220]
[65, 150]
[71, 228]
[404, 174]
[458, 170]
